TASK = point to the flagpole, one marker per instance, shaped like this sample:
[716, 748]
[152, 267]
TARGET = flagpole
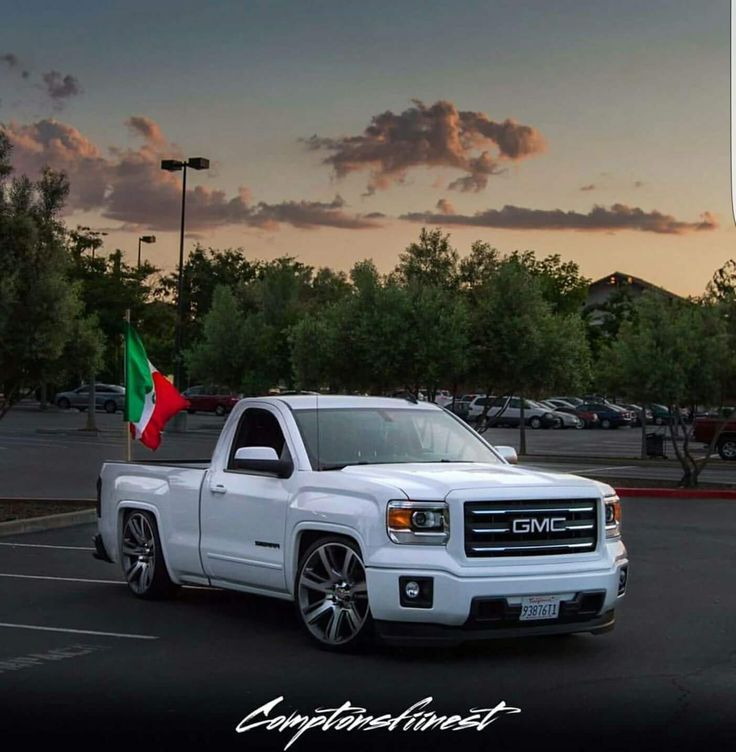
[126, 423]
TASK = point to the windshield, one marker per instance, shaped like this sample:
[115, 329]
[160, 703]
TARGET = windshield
[371, 436]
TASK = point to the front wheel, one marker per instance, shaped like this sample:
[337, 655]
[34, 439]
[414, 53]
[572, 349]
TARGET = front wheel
[110, 407]
[63, 403]
[535, 422]
[605, 423]
[143, 558]
[332, 594]
[220, 410]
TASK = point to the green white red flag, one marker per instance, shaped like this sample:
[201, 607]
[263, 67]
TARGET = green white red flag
[150, 398]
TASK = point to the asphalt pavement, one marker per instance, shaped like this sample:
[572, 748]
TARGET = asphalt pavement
[82, 659]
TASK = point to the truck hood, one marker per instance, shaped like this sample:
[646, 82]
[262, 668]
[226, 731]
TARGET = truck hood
[436, 480]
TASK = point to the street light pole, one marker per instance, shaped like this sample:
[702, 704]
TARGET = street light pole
[144, 239]
[174, 165]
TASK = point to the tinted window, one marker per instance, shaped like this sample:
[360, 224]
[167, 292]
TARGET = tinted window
[259, 427]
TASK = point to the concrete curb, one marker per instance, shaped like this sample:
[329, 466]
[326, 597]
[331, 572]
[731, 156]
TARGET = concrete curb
[49, 522]
[678, 493]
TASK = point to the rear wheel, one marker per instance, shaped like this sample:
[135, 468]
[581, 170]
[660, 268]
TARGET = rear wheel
[143, 559]
[535, 422]
[332, 594]
[63, 403]
[220, 410]
[605, 423]
[110, 406]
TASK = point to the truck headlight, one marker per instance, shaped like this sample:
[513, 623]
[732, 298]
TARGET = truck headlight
[613, 516]
[425, 523]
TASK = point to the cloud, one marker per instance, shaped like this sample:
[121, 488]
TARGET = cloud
[60, 87]
[128, 186]
[589, 187]
[443, 206]
[430, 136]
[599, 218]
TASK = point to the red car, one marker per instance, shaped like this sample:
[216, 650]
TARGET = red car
[210, 399]
[704, 428]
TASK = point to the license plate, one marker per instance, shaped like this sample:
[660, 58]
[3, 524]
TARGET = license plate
[540, 607]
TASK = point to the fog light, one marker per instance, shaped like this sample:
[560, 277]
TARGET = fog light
[623, 576]
[416, 592]
[412, 589]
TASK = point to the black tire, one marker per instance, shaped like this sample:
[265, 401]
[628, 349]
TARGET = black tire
[535, 422]
[605, 423]
[142, 558]
[333, 593]
[110, 406]
[220, 410]
[63, 403]
[558, 423]
[727, 448]
[658, 421]
[191, 412]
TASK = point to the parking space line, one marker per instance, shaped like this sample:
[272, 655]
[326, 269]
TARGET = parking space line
[44, 545]
[60, 579]
[78, 631]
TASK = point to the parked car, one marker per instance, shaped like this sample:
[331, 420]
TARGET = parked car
[322, 518]
[108, 397]
[588, 417]
[635, 411]
[476, 406]
[506, 411]
[210, 399]
[567, 418]
[568, 401]
[660, 414]
[609, 416]
[704, 429]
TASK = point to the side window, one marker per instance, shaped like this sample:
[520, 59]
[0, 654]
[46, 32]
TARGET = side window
[259, 427]
[515, 403]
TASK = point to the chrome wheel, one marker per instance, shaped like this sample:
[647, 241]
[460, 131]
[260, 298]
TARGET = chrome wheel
[727, 449]
[139, 553]
[332, 593]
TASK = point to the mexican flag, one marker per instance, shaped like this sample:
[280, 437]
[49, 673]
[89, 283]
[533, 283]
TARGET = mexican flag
[150, 398]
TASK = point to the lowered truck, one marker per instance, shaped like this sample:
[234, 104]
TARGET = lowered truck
[373, 515]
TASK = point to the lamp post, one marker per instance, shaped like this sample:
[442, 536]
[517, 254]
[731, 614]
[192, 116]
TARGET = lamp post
[144, 239]
[174, 165]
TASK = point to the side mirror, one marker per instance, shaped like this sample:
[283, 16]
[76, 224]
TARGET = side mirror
[261, 459]
[508, 453]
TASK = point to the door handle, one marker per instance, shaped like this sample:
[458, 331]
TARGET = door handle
[217, 488]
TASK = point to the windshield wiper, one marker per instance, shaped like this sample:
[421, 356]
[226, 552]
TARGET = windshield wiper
[340, 465]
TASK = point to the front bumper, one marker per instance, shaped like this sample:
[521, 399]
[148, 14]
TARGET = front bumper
[478, 607]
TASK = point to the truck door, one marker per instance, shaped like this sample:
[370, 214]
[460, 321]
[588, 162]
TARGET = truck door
[244, 513]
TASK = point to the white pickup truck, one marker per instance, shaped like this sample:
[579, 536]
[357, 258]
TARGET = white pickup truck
[374, 515]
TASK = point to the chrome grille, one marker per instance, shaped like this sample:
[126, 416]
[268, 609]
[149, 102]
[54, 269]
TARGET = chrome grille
[530, 527]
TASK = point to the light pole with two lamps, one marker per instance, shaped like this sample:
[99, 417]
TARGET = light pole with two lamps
[174, 165]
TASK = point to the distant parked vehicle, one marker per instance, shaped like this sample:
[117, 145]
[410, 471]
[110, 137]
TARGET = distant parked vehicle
[210, 399]
[660, 414]
[506, 411]
[476, 406]
[108, 397]
[589, 419]
[704, 429]
[609, 416]
[567, 418]
[571, 401]
[635, 411]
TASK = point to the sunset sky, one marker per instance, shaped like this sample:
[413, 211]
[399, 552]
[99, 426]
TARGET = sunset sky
[595, 129]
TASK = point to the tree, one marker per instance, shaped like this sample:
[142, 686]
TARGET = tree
[40, 311]
[431, 261]
[520, 344]
[677, 352]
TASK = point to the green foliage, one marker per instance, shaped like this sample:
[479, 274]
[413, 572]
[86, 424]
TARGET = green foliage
[41, 315]
[431, 261]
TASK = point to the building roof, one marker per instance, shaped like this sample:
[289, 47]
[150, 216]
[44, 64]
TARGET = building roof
[619, 279]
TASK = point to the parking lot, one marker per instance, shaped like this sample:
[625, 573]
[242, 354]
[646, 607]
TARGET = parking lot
[82, 658]
[36, 446]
